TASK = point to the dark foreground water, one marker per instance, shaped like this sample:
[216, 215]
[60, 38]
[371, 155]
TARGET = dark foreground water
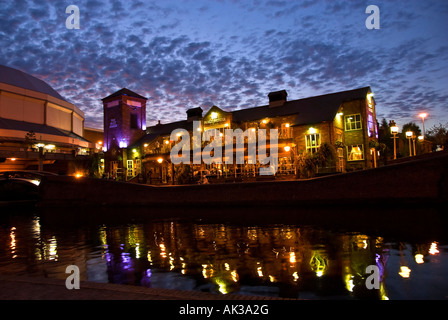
[244, 256]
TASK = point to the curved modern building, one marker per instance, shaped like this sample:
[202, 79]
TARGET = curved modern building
[37, 125]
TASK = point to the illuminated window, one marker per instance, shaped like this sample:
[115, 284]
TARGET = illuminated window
[285, 132]
[130, 167]
[312, 142]
[353, 122]
[355, 152]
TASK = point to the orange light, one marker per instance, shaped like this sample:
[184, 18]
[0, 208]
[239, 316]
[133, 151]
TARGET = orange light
[287, 148]
[13, 159]
[160, 160]
[78, 175]
[100, 142]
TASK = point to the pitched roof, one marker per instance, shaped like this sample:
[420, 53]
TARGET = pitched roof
[158, 130]
[24, 80]
[309, 110]
[10, 124]
[125, 92]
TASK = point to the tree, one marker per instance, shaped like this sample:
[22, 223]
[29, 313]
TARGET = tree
[307, 163]
[385, 138]
[438, 135]
[411, 126]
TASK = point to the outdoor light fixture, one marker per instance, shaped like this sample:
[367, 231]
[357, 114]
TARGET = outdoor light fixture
[312, 130]
[145, 145]
[287, 125]
[287, 148]
[159, 160]
[214, 115]
[394, 131]
[409, 135]
[423, 115]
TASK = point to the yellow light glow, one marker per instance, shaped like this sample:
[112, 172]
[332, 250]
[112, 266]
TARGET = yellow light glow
[272, 278]
[145, 145]
[214, 115]
[264, 121]
[292, 257]
[100, 142]
[78, 175]
[12, 235]
[405, 272]
[394, 129]
[312, 130]
[286, 125]
[419, 258]
[160, 160]
[50, 146]
[12, 159]
[226, 125]
[178, 134]
[166, 142]
[234, 275]
[295, 276]
[287, 148]
[253, 129]
[40, 145]
[433, 249]
[134, 150]
[409, 134]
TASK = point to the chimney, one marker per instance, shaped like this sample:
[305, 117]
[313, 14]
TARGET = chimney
[277, 98]
[194, 114]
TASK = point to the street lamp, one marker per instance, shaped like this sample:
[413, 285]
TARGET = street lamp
[394, 131]
[409, 135]
[423, 115]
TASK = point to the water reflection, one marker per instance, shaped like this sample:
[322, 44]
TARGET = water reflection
[277, 260]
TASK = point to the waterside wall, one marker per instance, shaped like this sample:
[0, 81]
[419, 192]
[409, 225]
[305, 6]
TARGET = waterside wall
[424, 180]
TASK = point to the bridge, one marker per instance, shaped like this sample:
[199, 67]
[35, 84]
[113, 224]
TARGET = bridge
[20, 185]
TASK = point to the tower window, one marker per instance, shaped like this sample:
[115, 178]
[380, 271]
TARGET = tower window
[134, 121]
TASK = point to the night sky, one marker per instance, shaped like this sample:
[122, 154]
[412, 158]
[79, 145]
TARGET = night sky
[185, 54]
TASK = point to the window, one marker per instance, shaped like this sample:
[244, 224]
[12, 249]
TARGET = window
[130, 167]
[285, 132]
[353, 122]
[355, 152]
[312, 142]
[134, 121]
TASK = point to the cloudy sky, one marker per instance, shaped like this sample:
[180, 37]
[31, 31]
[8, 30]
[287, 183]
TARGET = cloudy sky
[185, 54]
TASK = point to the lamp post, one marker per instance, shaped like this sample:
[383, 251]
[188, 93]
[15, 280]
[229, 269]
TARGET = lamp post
[160, 161]
[409, 135]
[423, 115]
[394, 131]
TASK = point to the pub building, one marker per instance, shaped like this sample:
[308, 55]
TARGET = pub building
[345, 120]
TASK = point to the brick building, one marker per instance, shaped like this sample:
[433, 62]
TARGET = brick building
[344, 120]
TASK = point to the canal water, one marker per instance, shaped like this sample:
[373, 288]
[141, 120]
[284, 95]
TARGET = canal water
[291, 258]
